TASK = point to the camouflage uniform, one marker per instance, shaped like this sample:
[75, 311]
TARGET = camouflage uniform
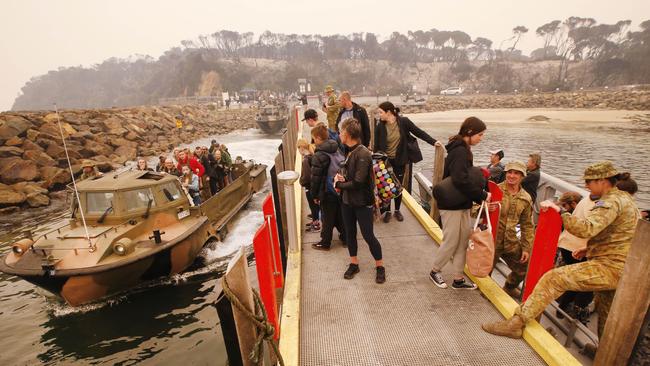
[515, 209]
[332, 107]
[610, 226]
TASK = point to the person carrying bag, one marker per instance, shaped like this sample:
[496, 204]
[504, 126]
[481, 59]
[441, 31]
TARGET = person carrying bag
[393, 136]
[480, 251]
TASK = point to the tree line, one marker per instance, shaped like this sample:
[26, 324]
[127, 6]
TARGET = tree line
[610, 54]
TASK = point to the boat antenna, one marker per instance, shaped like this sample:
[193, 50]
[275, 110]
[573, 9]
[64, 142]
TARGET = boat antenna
[74, 182]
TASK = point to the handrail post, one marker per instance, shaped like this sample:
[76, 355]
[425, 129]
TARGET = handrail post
[438, 170]
[287, 178]
[630, 303]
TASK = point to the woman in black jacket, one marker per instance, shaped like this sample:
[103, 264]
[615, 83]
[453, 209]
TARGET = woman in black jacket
[356, 185]
[392, 135]
[456, 226]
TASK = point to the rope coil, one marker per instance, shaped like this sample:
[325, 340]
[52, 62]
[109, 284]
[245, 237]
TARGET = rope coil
[265, 330]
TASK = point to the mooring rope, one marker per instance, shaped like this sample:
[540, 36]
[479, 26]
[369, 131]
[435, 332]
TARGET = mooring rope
[265, 329]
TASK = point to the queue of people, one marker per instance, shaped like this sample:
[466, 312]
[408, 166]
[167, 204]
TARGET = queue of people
[203, 172]
[593, 245]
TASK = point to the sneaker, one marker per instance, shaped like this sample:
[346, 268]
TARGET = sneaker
[437, 279]
[321, 246]
[387, 217]
[351, 271]
[463, 285]
[398, 216]
[581, 314]
[381, 275]
[314, 227]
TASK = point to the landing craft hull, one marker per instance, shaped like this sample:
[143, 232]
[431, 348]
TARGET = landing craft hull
[83, 286]
[271, 126]
[80, 276]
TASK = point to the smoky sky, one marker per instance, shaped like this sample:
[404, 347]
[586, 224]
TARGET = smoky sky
[39, 36]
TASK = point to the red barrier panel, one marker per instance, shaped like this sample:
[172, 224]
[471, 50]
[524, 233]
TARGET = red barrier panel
[269, 219]
[497, 196]
[264, 265]
[542, 258]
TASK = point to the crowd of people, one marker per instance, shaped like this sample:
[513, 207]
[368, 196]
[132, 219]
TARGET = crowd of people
[597, 230]
[202, 172]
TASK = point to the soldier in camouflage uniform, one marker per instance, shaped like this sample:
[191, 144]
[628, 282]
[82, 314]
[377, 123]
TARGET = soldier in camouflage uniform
[516, 208]
[610, 226]
[331, 107]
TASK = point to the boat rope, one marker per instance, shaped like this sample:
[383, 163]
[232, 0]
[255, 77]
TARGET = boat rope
[265, 329]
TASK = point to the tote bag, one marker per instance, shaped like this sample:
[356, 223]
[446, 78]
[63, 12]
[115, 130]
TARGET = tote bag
[480, 251]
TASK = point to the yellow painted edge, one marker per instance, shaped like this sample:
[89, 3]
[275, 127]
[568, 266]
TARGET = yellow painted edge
[290, 312]
[546, 346]
[425, 220]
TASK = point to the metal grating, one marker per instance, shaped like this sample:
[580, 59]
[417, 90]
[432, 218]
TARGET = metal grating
[406, 321]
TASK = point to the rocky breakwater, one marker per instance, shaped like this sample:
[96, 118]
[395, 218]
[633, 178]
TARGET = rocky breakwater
[620, 99]
[33, 163]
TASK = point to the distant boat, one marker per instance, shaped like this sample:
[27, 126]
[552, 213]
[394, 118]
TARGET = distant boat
[140, 226]
[272, 118]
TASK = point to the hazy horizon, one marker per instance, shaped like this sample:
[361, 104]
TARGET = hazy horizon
[44, 36]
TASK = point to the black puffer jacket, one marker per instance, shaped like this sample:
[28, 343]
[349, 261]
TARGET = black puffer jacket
[406, 128]
[457, 165]
[320, 163]
[358, 190]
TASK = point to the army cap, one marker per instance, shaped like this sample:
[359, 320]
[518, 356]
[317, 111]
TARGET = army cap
[87, 163]
[516, 165]
[329, 88]
[600, 170]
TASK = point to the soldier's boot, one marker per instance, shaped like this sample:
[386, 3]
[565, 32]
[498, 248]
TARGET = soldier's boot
[512, 328]
[512, 290]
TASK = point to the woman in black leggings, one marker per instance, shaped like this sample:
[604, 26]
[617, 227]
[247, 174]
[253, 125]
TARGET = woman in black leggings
[356, 186]
[392, 135]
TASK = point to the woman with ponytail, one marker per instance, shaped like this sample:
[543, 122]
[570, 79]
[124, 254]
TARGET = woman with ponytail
[456, 226]
[392, 135]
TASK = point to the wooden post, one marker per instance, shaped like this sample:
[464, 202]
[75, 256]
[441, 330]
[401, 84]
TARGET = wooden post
[237, 276]
[630, 303]
[438, 170]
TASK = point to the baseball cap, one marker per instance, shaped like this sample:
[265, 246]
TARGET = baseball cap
[498, 152]
[310, 114]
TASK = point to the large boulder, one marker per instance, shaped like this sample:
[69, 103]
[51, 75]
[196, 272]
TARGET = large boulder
[39, 158]
[55, 177]
[37, 200]
[14, 141]
[13, 126]
[98, 148]
[29, 145]
[14, 170]
[9, 197]
[32, 134]
[9, 151]
[127, 152]
[112, 123]
[55, 151]
[28, 187]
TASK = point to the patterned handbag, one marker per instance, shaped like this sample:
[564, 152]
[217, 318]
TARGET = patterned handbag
[387, 186]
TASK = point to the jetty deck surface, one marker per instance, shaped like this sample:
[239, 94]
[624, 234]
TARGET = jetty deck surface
[405, 321]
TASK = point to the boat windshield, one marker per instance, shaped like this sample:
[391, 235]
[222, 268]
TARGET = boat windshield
[171, 191]
[138, 199]
[98, 202]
